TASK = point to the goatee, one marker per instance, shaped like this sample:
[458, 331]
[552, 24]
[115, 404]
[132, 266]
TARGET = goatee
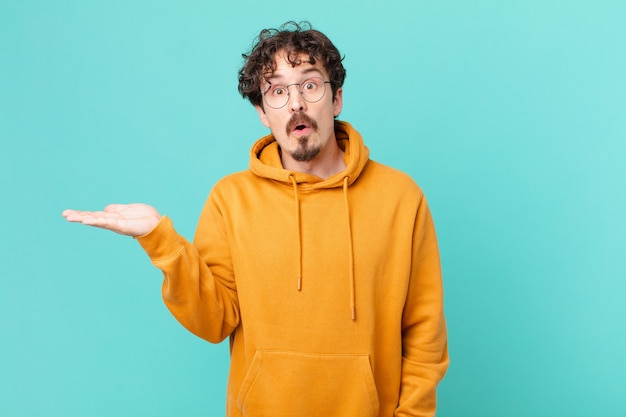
[303, 153]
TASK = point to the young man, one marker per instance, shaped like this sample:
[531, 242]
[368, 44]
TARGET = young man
[320, 264]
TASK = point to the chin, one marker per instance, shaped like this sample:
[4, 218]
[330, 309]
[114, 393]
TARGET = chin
[305, 155]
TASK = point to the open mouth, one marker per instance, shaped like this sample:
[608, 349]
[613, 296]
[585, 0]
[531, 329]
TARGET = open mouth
[301, 124]
[301, 129]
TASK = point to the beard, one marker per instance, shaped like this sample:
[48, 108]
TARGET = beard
[303, 152]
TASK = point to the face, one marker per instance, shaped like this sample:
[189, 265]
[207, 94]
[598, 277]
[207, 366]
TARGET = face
[302, 129]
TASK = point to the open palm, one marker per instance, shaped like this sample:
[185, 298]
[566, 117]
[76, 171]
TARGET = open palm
[126, 219]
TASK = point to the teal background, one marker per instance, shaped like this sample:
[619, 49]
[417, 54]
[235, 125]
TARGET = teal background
[510, 115]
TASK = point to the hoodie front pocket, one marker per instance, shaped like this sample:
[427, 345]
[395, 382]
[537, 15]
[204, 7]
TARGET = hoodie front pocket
[293, 384]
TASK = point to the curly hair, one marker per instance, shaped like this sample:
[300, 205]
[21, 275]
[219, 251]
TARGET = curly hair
[294, 39]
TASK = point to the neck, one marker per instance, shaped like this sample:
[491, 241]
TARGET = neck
[326, 164]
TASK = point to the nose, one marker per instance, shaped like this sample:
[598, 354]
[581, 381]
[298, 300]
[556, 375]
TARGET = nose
[296, 102]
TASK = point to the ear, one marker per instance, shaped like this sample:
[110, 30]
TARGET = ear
[262, 116]
[338, 102]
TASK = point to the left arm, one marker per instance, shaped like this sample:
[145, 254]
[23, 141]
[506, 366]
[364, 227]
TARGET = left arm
[424, 336]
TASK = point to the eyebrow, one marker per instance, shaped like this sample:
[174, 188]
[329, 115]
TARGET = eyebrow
[304, 72]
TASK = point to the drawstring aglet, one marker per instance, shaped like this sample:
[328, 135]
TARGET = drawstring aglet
[299, 283]
[353, 313]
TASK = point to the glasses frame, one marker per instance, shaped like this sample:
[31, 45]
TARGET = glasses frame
[299, 91]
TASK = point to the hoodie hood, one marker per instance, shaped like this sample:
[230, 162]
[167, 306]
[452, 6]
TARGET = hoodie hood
[265, 160]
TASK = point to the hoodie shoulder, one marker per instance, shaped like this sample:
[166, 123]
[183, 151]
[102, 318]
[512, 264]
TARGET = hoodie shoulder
[235, 179]
[390, 178]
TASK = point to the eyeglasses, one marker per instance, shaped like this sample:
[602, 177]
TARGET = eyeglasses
[312, 90]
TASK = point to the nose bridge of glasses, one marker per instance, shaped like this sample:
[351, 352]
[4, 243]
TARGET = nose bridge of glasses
[298, 87]
[298, 96]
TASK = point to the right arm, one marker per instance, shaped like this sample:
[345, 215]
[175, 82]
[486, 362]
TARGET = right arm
[198, 289]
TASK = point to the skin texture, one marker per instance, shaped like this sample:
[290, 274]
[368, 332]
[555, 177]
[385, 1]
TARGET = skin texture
[125, 219]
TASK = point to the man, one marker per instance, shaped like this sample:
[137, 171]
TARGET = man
[320, 264]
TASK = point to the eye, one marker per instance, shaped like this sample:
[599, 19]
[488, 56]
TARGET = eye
[278, 91]
[310, 85]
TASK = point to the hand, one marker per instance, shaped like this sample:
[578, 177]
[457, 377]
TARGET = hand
[125, 219]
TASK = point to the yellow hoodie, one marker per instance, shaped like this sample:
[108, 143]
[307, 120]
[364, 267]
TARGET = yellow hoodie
[330, 290]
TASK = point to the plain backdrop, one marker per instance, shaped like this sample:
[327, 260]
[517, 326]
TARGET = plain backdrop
[510, 115]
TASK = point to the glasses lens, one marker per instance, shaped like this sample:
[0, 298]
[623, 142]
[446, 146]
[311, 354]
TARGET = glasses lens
[312, 90]
[276, 96]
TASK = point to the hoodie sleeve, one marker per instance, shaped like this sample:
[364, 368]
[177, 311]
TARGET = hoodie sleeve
[424, 337]
[198, 287]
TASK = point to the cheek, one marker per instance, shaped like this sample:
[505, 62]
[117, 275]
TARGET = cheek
[278, 115]
[278, 125]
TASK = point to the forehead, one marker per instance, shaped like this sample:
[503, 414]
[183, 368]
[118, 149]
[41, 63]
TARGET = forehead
[287, 68]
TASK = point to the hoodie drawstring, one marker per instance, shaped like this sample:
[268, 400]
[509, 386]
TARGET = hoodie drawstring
[298, 227]
[350, 243]
[351, 250]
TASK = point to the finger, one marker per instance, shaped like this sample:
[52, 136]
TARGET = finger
[113, 208]
[74, 215]
[112, 223]
[96, 221]
[101, 219]
[69, 212]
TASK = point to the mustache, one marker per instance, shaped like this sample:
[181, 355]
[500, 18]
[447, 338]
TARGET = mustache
[300, 119]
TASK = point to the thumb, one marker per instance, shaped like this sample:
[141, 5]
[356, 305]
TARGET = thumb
[113, 208]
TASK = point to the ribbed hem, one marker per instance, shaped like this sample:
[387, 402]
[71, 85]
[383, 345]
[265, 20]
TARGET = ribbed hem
[162, 242]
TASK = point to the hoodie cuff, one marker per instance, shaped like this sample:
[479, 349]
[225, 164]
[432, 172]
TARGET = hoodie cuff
[162, 242]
